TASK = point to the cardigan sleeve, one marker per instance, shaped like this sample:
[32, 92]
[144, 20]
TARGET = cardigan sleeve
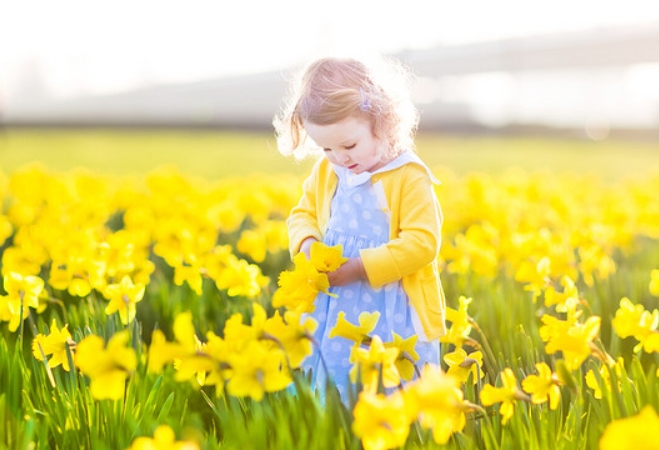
[417, 235]
[303, 219]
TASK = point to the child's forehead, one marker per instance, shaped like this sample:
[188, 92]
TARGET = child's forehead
[341, 132]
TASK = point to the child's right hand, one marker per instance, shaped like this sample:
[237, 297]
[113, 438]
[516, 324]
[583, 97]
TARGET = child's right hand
[305, 247]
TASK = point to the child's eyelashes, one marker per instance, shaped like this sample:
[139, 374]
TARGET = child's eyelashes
[345, 147]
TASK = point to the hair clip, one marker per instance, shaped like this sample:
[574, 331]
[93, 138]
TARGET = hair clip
[365, 103]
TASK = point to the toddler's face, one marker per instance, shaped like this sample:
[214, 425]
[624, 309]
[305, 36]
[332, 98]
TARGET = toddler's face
[349, 143]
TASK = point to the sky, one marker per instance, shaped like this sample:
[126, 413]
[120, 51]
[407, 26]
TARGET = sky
[82, 47]
[64, 49]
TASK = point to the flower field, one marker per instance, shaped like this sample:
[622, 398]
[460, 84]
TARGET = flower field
[162, 310]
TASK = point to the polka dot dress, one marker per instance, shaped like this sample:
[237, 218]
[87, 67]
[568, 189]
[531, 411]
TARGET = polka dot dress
[359, 220]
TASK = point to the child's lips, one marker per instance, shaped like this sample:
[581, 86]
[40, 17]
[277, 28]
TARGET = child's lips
[353, 167]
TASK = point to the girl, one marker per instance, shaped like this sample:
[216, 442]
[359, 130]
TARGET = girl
[373, 195]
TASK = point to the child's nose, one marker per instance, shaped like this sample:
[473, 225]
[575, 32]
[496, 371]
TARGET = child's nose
[344, 158]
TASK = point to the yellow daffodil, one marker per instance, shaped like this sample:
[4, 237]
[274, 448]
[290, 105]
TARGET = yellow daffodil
[22, 294]
[276, 235]
[107, 367]
[438, 402]
[565, 301]
[196, 367]
[239, 334]
[25, 289]
[123, 252]
[632, 433]
[218, 350]
[123, 296]
[475, 250]
[187, 344]
[163, 439]
[651, 343]
[184, 331]
[380, 421]
[593, 382]
[461, 365]
[298, 288]
[192, 361]
[77, 274]
[294, 334]
[371, 363]
[543, 386]
[256, 371]
[631, 320]
[407, 355]
[573, 339]
[202, 362]
[240, 279]
[535, 275]
[325, 258]
[218, 259]
[25, 258]
[253, 244]
[189, 271]
[594, 261]
[227, 214]
[635, 320]
[174, 238]
[356, 333]
[162, 352]
[56, 343]
[507, 394]
[460, 323]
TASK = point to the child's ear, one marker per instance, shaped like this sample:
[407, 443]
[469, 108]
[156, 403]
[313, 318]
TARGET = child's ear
[375, 130]
[384, 147]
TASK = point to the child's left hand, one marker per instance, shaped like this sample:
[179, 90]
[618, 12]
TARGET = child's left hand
[349, 272]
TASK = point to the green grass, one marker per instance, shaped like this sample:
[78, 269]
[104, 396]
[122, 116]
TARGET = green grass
[217, 154]
[209, 154]
[610, 159]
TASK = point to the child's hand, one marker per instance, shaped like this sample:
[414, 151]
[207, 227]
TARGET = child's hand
[351, 271]
[305, 247]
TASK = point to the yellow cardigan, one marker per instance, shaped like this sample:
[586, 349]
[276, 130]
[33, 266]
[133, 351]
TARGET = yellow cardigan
[415, 235]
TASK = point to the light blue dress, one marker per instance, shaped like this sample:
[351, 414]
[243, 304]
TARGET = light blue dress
[359, 219]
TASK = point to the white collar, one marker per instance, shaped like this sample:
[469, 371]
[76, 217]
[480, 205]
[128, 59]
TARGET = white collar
[406, 157]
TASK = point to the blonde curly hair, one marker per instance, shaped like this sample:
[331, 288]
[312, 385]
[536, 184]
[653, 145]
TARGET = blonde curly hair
[331, 89]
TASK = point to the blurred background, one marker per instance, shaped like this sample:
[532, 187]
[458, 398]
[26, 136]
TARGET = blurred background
[587, 69]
